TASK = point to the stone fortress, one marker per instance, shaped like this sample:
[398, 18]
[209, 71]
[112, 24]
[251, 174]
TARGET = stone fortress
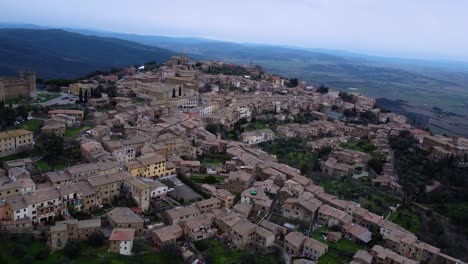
[23, 85]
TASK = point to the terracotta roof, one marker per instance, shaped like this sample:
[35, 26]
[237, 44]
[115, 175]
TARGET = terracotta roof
[123, 215]
[315, 244]
[106, 179]
[176, 213]
[42, 195]
[295, 238]
[85, 188]
[168, 233]
[122, 234]
[15, 133]
[244, 227]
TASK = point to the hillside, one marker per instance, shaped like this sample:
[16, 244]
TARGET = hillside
[420, 82]
[427, 87]
[55, 53]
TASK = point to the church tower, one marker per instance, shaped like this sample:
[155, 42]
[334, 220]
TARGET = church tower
[182, 58]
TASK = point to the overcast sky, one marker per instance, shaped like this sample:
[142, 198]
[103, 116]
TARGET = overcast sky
[406, 28]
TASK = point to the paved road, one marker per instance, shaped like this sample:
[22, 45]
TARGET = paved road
[61, 100]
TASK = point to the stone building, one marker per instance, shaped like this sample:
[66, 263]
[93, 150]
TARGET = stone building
[15, 141]
[12, 87]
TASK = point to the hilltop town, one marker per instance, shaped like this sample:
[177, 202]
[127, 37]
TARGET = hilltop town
[188, 161]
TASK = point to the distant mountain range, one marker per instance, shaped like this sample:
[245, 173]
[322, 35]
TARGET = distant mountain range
[56, 53]
[423, 84]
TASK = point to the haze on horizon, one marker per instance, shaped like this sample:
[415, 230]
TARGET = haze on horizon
[423, 29]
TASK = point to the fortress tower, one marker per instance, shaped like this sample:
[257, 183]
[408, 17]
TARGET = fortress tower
[32, 84]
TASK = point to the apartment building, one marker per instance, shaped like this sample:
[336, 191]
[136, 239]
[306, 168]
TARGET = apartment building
[329, 216]
[121, 241]
[301, 209]
[123, 217]
[240, 233]
[149, 167]
[140, 192]
[108, 186]
[167, 235]
[16, 188]
[238, 181]
[314, 249]
[178, 214]
[294, 242]
[78, 114]
[15, 141]
[200, 227]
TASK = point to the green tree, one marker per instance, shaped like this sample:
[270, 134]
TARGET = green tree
[137, 246]
[54, 147]
[80, 96]
[8, 115]
[322, 89]
[85, 96]
[72, 249]
[96, 239]
[19, 250]
[210, 179]
[376, 165]
[111, 91]
[22, 111]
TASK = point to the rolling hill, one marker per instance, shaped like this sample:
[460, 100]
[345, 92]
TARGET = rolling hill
[55, 53]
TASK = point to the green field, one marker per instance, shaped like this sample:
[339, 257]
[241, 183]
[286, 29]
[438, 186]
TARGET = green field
[370, 197]
[71, 132]
[44, 97]
[214, 159]
[330, 258]
[218, 253]
[343, 246]
[45, 166]
[407, 219]
[339, 252]
[258, 125]
[32, 125]
[361, 145]
[15, 156]
[202, 178]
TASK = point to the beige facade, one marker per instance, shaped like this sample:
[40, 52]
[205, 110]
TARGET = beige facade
[140, 191]
[15, 141]
[149, 167]
[78, 114]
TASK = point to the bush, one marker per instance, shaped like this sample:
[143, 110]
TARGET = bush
[42, 254]
[210, 179]
[105, 260]
[170, 249]
[19, 250]
[376, 165]
[96, 239]
[27, 259]
[137, 246]
[72, 249]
